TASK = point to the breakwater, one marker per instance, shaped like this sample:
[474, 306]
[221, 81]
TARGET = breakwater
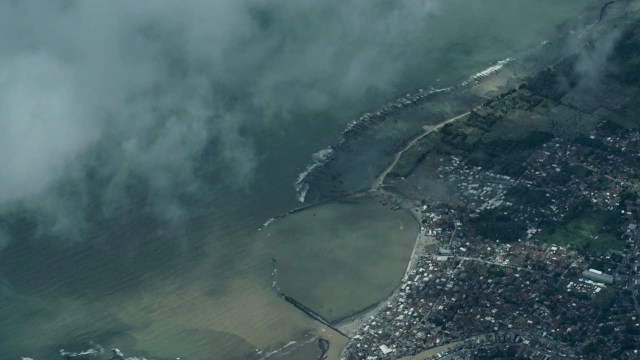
[312, 314]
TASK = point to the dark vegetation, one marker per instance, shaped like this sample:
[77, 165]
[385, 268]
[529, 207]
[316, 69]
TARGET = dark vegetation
[495, 224]
[471, 138]
[626, 63]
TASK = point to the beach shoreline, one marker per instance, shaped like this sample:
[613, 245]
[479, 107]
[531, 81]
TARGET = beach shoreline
[495, 84]
[481, 87]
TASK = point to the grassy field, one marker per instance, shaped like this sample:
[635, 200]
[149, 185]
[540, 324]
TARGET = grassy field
[413, 156]
[498, 136]
[584, 232]
[579, 171]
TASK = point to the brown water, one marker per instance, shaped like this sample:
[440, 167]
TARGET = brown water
[332, 258]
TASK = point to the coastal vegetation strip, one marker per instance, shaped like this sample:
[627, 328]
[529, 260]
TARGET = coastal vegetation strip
[428, 130]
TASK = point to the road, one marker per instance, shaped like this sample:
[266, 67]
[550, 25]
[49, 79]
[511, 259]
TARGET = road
[492, 263]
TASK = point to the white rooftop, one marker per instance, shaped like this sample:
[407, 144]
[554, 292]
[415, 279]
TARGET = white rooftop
[385, 349]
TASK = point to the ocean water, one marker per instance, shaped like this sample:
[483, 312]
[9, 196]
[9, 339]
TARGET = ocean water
[205, 290]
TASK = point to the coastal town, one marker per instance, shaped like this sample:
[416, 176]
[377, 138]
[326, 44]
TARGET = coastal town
[529, 212]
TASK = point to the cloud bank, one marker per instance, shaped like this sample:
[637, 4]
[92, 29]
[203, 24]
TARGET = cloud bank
[96, 96]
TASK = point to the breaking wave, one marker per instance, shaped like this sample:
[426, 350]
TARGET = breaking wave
[488, 71]
[266, 223]
[318, 159]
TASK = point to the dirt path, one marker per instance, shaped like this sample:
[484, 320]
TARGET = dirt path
[428, 130]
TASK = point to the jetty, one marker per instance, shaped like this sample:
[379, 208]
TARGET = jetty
[312, 314]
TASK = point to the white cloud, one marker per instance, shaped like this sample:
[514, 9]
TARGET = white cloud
[137, 89]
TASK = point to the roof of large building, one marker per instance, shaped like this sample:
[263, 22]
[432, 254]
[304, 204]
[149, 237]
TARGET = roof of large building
[598, 276]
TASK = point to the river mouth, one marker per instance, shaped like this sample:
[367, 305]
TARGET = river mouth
[341, 257]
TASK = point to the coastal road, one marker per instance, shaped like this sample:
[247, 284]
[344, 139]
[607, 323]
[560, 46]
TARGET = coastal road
[428, 130]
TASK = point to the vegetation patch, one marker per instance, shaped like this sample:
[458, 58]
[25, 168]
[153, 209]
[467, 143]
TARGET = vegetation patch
[414, 156]
[603, 302]
[495, 224]
[579, 171]
[589, 230]
[519, 194]
[475, 137]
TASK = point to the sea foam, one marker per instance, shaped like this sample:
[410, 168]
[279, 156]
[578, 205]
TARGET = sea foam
[488, 71]
[318, 159]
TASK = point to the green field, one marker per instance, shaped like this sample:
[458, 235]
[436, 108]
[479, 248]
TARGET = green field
[486, 138]
[585, 231]
[579, 171]
[413, 156]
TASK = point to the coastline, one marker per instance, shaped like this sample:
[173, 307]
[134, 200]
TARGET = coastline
[353, 323]
[382, 133]
[490, 84]
[496, 83]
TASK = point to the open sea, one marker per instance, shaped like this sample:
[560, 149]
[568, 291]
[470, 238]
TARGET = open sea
[209, 290]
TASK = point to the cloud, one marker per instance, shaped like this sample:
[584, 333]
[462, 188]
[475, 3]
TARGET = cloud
[592, 61]
[97, 96]
[42, 128]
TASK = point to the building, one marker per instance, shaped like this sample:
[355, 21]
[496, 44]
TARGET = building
[597, 275]
[385, 349]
